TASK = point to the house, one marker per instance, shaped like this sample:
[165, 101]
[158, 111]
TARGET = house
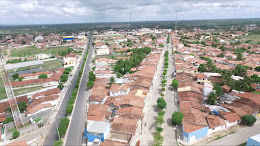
[231, 119]
[207, 89]
[254, 140]
[130, 112]
[34, 75]
[98, 112]
[123, 129]
[202, 78]
[215, 123]
[39, 38]
[118, 90]
[97, 130]
[102, 49]
[70, 60]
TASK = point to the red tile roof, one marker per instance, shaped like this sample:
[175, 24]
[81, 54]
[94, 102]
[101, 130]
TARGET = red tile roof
[123, 125]
[188, 128]
[232, 117]
[215, 121]
[46, 93]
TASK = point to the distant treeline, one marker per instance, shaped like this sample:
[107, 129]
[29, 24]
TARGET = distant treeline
[238, 24]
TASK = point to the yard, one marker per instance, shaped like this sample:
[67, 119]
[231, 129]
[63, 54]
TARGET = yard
[32, 51]
[255, 38]
[52, 65]
[25, 90]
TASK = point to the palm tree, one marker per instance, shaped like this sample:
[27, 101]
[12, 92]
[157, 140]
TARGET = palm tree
[245, 84]
[111, 81]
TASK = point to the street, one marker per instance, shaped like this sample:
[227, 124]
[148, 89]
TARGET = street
[77, 124]
[52, 135]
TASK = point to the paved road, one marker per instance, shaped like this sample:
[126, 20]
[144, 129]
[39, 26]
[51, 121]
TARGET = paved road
[52, 136]
[77, 125]
[168, 127]
[239, 137]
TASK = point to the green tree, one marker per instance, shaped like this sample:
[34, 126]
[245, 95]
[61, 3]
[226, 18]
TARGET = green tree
[219, 90]
[118, 75]
[22, 106]
[91, 76]
[240, 70]
[58, 143]
[42, 76]
[245, 84]
[202, 68]
[111, 81]
[161, 113]
[239, 56]
[69, 109]
[161, 103]
[15, 76]
[60, 86]
[159, 129]
[175, 83]
[257, 68]
[64, 122]
[159, 120]
[64, 78]
[248, 120]
[15, 134]
[90, 84]
[212, 98]
[158, 139]
[177, 118]
[20, 78]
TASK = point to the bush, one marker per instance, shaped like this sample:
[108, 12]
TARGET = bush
[69, 109]
[42, 76]
[161, 113]
[164, 72]
[90, 84]
[64, 122]
[165, 66]
[159, 120]
[163, 89]
[162, 94]
[161, 103]
[58, 143]
[248, 120]
[177, 118]
[15, 76]
[71, 101]
[118, 75]
[20, 78]
[159, 129]
[8, 120]
[63, 78]
[163, 84]
[164, 81]
[22, 106]
[16, 134]
[60, 86]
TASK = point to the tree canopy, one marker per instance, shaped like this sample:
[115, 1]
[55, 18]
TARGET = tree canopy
[42, 76]
[177, 118]
[248, 120]
[212, 98]
[175, 83]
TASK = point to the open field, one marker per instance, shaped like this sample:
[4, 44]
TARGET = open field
[52, 65]
[255, 38]
[26, 90]
[2, 90]
[32, 51]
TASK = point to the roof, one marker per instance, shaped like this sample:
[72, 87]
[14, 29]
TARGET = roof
[38, 107]
[232, 117]
[97, 126]
[42, 100]
[201, 76]
[188, 128]
[256, 137]
[98, 112]
[123, 125]
[237, 110]
[23, 64]
[194, 116]
[18, 143]
[214, 121]
[113, 143]
[131, 112]
[115, 87]
[46, 93]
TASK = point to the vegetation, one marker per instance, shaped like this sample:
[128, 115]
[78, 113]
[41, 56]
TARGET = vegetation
[161, 103]
[15, 134]
[161, 113]
[60, 86]
[175, 83]
[212, 98]
[20, 78]
[8, 120]
[111, 81]
[22, 106]
[159, 129]
[64, 123]
[124, 66]
[58, 143]
[202, 68]
[219, 90]
[159, 120]
[15, 76]
[249, 120]
[90, 84]
[42, 76]
[177, 118]
[69, 108]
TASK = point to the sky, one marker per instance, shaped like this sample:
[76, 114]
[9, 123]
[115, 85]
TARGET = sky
[89, 11]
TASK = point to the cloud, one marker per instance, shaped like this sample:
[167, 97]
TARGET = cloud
[83, 11]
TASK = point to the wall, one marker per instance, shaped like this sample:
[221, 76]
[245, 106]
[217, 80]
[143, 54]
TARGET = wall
[221, 127]
[231, 124]
[198, 134]
[252, 142]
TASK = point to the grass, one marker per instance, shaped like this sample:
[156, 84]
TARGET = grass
[37, 120]
[32, 51]
[2, 90]
[242, 144]
[254, 37]
[256, 92]
[52, 65]
[25, 90]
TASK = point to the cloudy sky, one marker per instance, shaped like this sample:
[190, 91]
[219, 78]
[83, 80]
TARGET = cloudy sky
[87, 11]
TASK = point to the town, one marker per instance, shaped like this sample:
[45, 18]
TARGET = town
[143, 86]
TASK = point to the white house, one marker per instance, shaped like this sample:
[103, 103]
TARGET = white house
[215, 123]
[102, 51]
[70, 60]
[39, 38]
[42, 56]
[207, 89]
[118, 90]
[232, 119]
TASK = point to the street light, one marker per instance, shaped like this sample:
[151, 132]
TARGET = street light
[57, 127]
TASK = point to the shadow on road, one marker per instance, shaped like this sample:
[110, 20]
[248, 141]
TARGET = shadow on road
[169, 122]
